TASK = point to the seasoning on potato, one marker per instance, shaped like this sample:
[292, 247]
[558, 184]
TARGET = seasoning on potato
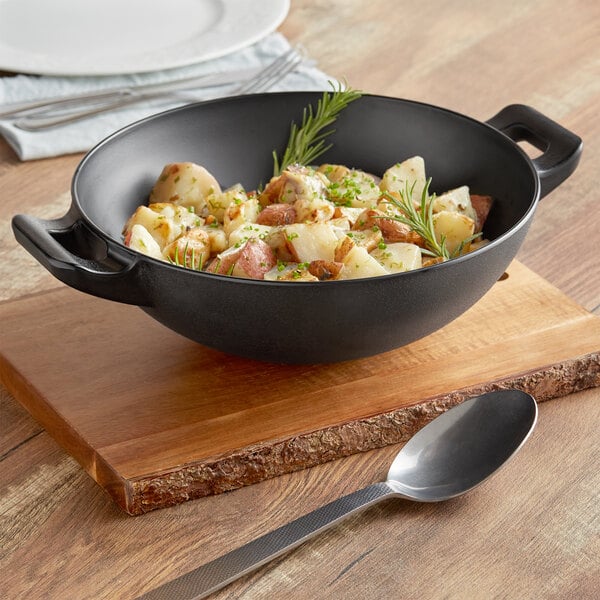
[323, 223]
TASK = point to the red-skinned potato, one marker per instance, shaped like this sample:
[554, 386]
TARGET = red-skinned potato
[251, 260]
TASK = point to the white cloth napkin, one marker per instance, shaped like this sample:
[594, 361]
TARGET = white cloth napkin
[83, 135]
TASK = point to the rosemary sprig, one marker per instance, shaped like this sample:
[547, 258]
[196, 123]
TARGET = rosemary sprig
[419, 220]
[307, 142]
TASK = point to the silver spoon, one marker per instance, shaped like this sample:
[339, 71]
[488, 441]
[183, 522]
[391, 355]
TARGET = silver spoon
[450, 456]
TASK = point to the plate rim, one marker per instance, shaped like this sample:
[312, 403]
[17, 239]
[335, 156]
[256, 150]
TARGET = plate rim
[270, 12]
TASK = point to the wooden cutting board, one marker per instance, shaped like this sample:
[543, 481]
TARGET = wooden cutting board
[157, 419]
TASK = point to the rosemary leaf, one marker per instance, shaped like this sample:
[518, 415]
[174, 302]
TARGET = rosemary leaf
[307, 142]
[421, 220]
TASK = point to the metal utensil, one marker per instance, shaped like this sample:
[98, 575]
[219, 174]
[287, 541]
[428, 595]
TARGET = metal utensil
[42, 115]
[48, 106]
[450, 456]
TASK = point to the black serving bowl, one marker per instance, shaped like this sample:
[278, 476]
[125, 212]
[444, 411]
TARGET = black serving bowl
[301, 322]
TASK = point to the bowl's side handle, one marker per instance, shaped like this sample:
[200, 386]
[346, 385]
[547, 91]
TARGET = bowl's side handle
[78, 257]
[561, 149]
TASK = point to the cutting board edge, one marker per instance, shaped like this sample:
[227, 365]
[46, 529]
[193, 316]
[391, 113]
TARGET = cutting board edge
[218, 474]
[117, 487]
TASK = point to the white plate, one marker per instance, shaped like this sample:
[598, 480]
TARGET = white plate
[107, 37]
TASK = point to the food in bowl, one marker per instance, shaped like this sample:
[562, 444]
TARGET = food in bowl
[330, 222]
[310, 322]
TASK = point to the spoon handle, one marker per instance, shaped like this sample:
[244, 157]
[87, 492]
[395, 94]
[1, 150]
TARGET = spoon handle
[218, 573]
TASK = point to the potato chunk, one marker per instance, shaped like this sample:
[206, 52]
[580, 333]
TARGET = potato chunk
[252, 260]
[455, 228]
[278, 242]
[324, 270]
[369, 238]
[295, 183]
[240, 212]
[185, 184]
[140, 239]
[359, 263]
[391, 229]
[191, 250]
[277, 214]
[248, 230]
[310, 241]
[165, 221]
[407, 174]
[355, 189]
[351, 213]
[217, 238]
[482, 206]
[456, 200]
[398, 257]
[313, 209]
[290, 272]
[334, 173]
[218, 203]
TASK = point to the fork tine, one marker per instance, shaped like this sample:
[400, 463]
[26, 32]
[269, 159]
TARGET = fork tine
[277, 75]
[265, 79]
[273, 72]
[266, 73]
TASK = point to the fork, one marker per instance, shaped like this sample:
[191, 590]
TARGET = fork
[57, 114]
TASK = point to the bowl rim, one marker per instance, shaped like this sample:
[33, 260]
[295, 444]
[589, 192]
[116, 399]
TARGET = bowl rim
[135, 256]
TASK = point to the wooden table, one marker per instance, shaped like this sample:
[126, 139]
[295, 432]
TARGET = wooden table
[530, 532]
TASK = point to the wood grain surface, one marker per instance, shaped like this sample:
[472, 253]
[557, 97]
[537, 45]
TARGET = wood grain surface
[157, 420]
[532, 531]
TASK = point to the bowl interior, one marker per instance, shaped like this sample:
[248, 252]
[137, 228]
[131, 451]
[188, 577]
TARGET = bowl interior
[234, 139]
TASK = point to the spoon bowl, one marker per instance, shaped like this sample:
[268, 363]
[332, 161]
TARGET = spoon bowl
[463, 447]
[451, 455]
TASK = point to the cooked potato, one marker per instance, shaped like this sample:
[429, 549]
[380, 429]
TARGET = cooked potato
[186, 184]
[398, 257]
[455, 228]
[341, 224]
[344, 246]
[290, 272]
[140, 239]
[355, 189]
[248, 230]
[218, 203]
[312, 209]
[240, 212]
[407, 174]
[191, 250]
[359, 263]
[352, 213]
[310, 241]
[482, 206]
[277, 214]
[391, 229]
[217, 238]
[251, 260]
[165, 221]
[295, 183]
[278, 242]
[368, 238]
[324, 270]
[456, 200]
[326, 223]
[334, 173]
